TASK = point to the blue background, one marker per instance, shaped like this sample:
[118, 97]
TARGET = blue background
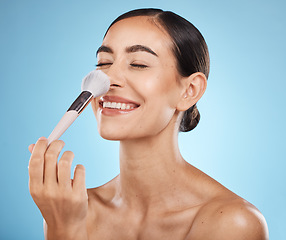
[47, 47]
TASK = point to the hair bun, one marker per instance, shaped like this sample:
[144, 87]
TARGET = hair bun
[190, 119]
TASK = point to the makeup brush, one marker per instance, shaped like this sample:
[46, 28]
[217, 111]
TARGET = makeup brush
[95, 84]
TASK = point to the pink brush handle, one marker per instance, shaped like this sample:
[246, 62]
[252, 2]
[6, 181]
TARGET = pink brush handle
[68, 118]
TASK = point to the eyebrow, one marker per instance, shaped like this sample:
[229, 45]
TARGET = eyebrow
[138, 48]
[104, 49]
[131, 49]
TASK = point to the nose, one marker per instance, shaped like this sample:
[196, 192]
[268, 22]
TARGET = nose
[116, 76]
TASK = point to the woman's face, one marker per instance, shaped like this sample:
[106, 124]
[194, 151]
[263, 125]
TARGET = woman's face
[145, 85]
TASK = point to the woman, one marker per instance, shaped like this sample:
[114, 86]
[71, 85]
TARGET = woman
[158, 65]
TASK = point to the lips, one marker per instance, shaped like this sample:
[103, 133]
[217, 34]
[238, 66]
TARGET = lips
[116, 104]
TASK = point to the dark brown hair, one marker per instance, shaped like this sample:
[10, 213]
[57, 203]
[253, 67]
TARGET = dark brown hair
[190, 50]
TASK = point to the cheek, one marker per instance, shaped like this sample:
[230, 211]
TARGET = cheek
[153, 86]
[163, 90]
[94, 106]
[160, 107]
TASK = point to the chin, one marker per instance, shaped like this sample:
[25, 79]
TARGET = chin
[112, 134]
[118, 130]
[134, 134]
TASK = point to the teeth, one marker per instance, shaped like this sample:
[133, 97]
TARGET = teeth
[123, 106]
[118, 105]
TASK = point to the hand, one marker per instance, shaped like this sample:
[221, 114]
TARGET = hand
[63, 202]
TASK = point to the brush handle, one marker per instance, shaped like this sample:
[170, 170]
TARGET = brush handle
[68, 118]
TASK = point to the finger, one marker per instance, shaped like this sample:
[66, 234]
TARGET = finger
[51, 159]
[79, 178]
[36, 163]
[31, 147]
[64, 169]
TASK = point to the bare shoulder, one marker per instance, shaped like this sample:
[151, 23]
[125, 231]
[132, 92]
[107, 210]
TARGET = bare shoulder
[229, 218]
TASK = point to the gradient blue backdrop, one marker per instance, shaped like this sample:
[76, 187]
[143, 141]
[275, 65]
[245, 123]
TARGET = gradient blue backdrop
[47, 47]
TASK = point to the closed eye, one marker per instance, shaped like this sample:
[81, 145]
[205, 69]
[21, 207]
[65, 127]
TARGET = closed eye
[141, 66]
[138, 65]
[102, 64]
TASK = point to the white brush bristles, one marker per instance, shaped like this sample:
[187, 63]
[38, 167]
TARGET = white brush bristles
[96, 82]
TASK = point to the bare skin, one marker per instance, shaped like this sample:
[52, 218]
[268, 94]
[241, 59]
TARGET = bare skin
[157, 195]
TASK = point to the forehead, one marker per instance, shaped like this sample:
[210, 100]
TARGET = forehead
[140, 30]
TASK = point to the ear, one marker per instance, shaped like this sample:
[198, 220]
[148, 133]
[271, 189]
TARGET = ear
[194, 87]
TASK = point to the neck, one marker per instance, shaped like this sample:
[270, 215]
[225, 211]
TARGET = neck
[149, 169]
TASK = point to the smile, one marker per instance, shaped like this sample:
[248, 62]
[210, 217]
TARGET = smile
[118, 105]
[114, 105]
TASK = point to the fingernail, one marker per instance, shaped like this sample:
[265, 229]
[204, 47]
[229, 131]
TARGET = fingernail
[42, 138]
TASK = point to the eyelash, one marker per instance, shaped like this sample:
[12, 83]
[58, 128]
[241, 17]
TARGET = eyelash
[138, 65]
[102, 64]
[141, 66]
